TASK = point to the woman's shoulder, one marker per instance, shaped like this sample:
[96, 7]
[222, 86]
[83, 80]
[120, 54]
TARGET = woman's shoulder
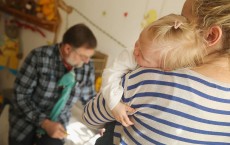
[155, 71]
[184, 75]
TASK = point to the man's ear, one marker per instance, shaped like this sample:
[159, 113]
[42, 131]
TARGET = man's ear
[67, 49]
[213, 36]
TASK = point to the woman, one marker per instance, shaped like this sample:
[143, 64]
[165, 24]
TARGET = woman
[186, 106]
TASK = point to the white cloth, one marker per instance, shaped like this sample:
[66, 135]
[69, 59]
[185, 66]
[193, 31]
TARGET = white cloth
[111, 78]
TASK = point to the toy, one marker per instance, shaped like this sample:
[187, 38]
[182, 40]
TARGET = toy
[9, 48]
[46, 9]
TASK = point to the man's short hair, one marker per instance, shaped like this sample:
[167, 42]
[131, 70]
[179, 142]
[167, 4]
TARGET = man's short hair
[79, 35]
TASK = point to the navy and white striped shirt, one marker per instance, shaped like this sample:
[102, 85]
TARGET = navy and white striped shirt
[179, 107]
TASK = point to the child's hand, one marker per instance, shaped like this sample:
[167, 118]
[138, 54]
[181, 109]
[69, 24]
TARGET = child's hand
[101, 131]
[120, 114]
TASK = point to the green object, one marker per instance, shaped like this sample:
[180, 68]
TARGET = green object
[67, 82]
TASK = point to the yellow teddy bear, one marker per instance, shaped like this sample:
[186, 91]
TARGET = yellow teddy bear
[46, 9]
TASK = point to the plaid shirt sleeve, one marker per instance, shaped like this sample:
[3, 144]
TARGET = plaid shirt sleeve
[25, 84]
[88, 90]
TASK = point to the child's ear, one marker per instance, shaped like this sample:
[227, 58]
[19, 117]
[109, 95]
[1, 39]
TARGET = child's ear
[214, 35]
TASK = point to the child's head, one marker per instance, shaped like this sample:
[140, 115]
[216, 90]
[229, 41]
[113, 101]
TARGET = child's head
[169, 43]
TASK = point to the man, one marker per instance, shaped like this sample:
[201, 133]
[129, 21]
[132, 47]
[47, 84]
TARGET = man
[36, 90]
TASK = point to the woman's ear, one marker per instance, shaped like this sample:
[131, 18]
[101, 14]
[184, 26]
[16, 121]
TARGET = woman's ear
[213, 36]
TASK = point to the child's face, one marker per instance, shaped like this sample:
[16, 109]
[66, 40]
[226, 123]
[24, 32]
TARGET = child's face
[146, 52]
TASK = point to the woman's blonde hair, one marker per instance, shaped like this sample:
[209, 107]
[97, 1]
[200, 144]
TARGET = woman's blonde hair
[214, 12]
[182, 44]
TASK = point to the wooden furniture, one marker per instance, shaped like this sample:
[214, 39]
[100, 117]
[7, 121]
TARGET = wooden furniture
[21, 14]
[100, 61]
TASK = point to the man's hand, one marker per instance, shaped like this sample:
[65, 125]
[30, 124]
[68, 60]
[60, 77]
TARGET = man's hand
[54, 129]
[120, 114]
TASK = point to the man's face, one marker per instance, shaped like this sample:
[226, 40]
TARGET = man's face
[77, 57]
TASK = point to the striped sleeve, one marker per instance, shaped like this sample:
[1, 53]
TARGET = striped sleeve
[96, 113]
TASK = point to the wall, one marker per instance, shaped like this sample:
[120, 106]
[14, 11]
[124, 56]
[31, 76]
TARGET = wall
[106, 18]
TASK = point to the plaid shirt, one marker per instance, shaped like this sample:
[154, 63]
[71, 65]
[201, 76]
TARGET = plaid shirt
[36, 90]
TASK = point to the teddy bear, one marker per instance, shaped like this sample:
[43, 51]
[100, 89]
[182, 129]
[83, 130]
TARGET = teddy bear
[46, 9]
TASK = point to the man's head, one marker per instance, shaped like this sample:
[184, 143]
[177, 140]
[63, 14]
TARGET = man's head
[78, 45]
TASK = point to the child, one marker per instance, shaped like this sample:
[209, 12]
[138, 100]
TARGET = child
[164, 38]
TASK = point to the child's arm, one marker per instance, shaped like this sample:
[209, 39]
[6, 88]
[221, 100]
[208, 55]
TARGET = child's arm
[112, 89]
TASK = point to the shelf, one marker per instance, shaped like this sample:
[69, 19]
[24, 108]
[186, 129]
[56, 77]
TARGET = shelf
[48, 25]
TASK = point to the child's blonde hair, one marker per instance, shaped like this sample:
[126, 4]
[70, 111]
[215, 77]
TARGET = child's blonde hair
[182, 44]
